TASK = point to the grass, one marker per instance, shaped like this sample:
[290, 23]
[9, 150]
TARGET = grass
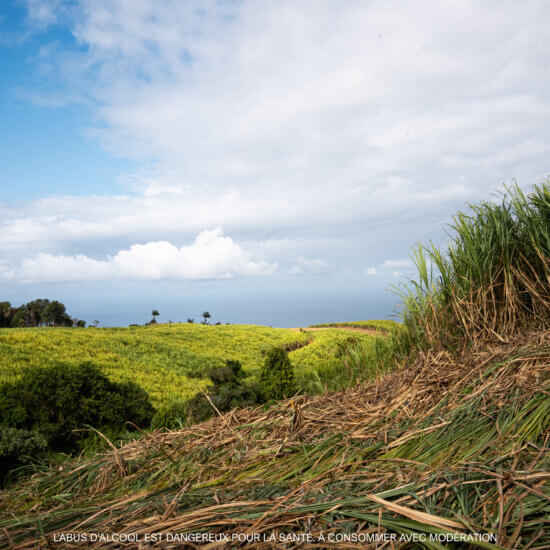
[454, 441]
[168, 360]
[491, 278]
[337, 359]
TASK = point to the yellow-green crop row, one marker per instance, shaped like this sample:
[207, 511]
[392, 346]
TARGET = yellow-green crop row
[376, 324]
[169, 360]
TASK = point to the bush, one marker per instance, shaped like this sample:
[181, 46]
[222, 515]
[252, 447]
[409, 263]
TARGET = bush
[171, 416]
[227, 391]
[277, 376]
[18, 447]
[56, 400]
[225, 398]
[231, 373]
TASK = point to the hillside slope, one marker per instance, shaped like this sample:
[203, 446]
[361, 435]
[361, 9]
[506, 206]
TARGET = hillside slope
[169, 360]
[447, 444]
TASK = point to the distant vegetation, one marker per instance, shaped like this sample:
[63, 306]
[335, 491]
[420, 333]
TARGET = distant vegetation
[38, 313]
[170, 361]
[154, 314]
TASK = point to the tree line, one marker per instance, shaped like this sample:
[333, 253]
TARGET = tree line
[45, 313]
[205, 316]
[37, 313]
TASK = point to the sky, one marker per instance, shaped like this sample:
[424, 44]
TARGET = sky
[270, 162]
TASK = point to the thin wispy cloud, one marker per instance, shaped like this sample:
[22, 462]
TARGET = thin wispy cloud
[309, 265]
[388, 267]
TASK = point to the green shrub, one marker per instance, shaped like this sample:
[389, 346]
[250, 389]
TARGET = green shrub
[277, 376]
[231, 373]
[171, 416]
[18, 447]
[56, 400]
[227, 391]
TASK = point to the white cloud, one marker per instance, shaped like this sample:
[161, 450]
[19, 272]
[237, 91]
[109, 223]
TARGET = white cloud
[370, 271]
[211, 256]
[309, 265]
[240, 93]
[289, 122]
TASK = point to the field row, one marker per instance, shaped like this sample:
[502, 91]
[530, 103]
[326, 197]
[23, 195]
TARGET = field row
[169, 360]
[374, 324]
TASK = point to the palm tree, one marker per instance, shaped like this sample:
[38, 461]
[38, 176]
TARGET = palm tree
[155, 313]
[205, 317]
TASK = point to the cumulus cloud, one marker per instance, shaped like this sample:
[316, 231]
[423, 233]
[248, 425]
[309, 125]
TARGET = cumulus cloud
[211, 256]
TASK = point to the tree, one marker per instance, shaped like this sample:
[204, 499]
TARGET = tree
[189, 320]
[6, 314]
[31, 314]
[153, 321]
[55, 315]
[36, 313]
[205, 317]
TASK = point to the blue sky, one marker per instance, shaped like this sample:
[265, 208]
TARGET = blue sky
[273, 163]
[43, 150]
